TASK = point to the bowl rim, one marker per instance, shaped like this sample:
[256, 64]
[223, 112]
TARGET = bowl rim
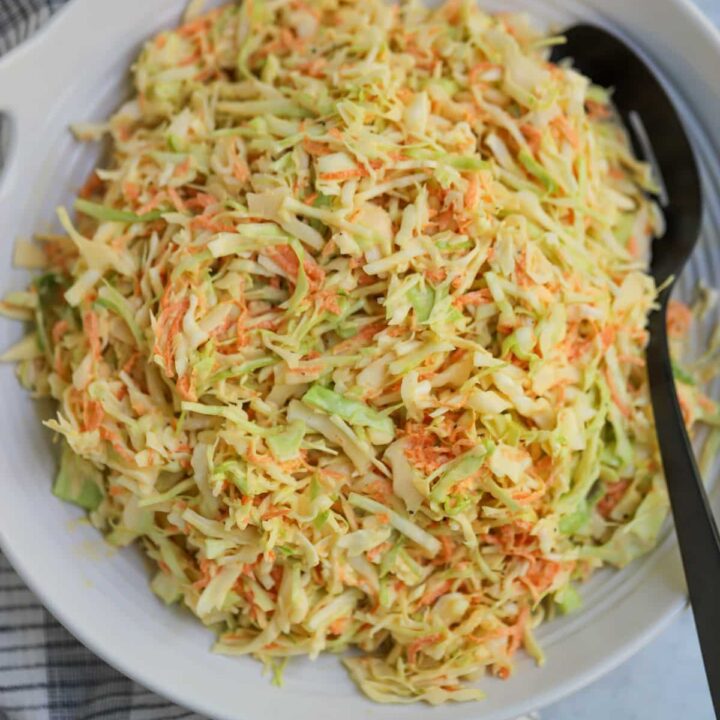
[51, 33]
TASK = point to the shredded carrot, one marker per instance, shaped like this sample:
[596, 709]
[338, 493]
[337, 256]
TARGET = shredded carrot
[337, 627]
[533, 136]
[517, 631]
[284, 256]
[185, 387]
[614, 393]
[607, 336]
[207, 223]
[435, 275]
[152, 204]
[635, 360]
[131, 190]
[417, 645]
[130, 362]
[314, 147]
[679, 318]
[182, 168]
[240, 171]
[430, 596]
[208, 569]
[633, 247]
[598, 111]
[344, 174]
[313, 68]
[58, 330]
[327, 300]
[92, 331]
[176, 199]
[565, 128]
[423, 451]
[542, 572]
[189, 59]
[114, 439]
[706, 403]
[476, 297]
[169, 324]
[472, 194]
[613, 494]
[200, 201]
[93, 183]
[478, 70]
[199, 24]
[93, 414]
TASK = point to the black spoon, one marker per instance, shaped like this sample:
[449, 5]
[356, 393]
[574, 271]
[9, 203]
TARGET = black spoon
[659, 137]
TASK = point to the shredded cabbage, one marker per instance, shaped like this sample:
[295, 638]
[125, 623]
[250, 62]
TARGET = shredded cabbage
[350, 334]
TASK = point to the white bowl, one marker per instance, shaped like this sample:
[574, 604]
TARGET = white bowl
[75, 69]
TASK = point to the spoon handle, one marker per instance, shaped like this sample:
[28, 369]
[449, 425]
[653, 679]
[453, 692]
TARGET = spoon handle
[695, 525]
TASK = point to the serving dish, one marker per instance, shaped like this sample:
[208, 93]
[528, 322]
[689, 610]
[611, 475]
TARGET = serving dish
[75, 70]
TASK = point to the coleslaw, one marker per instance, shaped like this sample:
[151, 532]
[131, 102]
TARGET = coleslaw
[349, 333]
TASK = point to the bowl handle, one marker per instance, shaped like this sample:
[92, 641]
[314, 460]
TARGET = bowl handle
[17, 123]
[33, 77]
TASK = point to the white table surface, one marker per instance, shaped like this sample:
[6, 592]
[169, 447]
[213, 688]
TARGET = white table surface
[665, 681]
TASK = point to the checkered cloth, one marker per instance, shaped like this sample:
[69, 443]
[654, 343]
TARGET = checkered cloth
[20, 18]
[45, 673]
